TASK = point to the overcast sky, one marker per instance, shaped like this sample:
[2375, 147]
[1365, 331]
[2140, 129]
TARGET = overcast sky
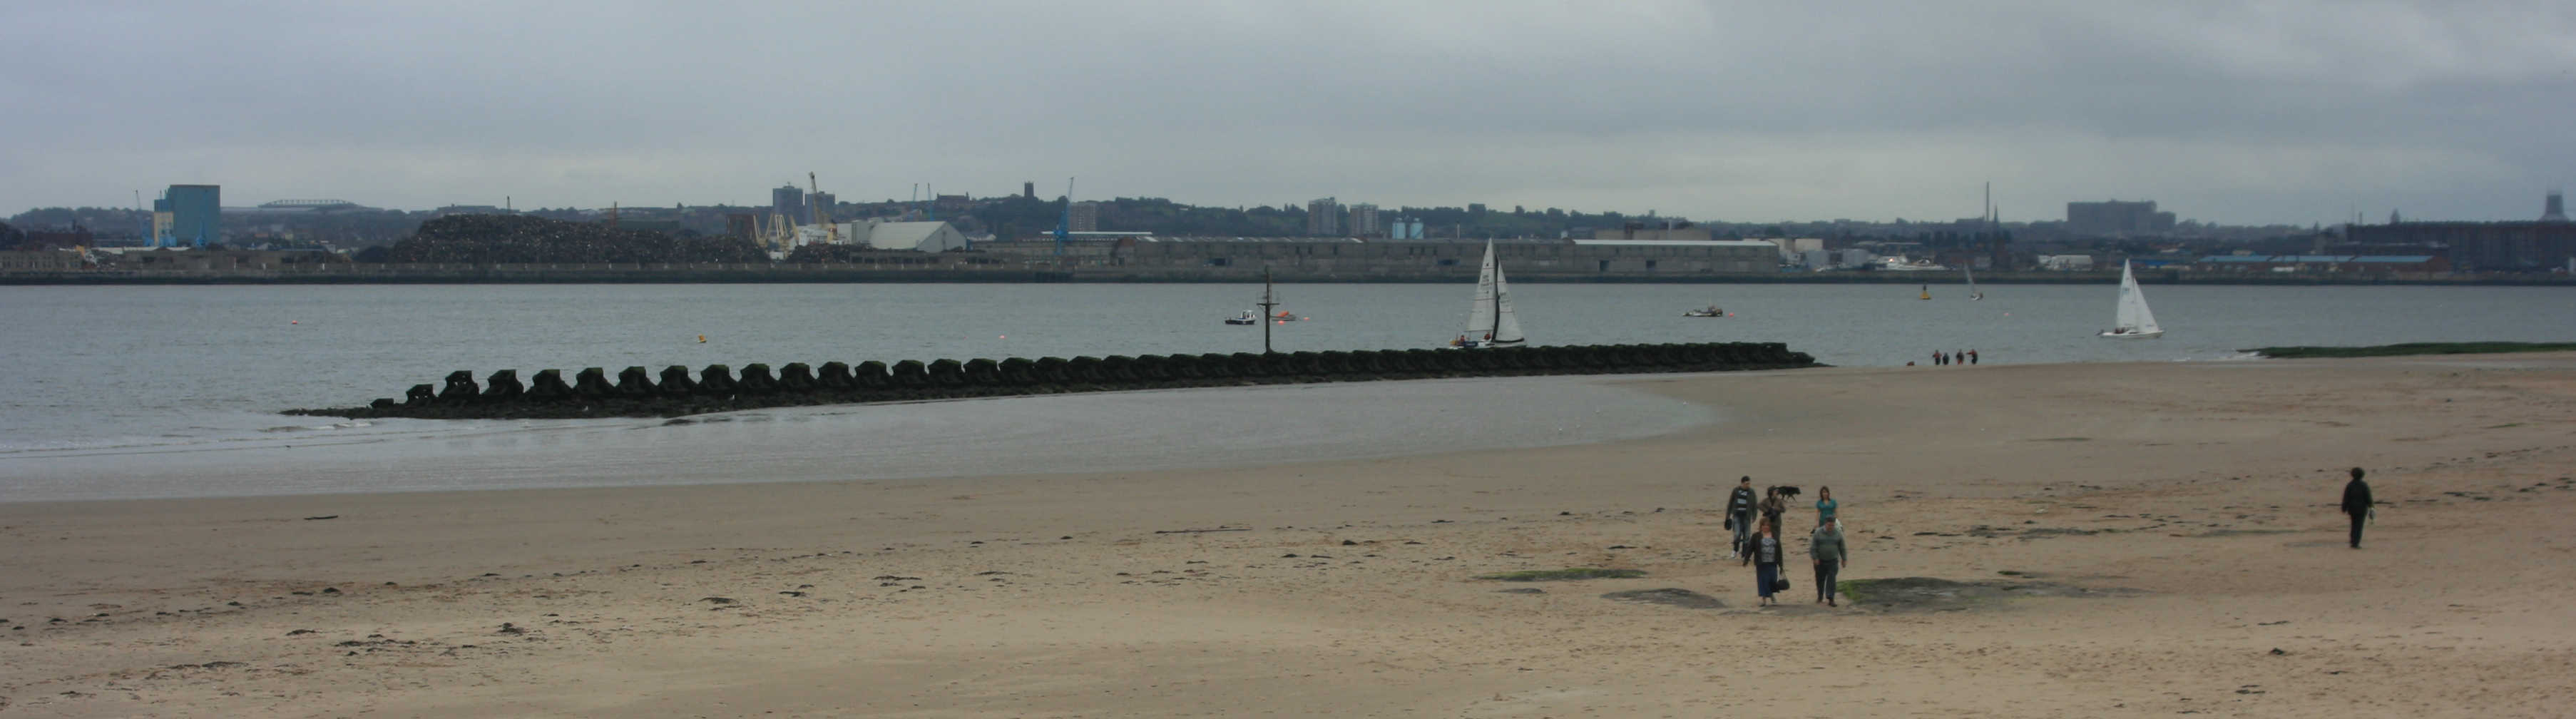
[2242, 113]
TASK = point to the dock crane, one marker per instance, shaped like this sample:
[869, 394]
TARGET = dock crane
[822, 215]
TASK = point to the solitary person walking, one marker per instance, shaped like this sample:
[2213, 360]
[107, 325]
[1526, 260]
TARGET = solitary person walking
[2356, 502]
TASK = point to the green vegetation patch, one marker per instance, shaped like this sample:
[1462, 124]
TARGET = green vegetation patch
[1563, 575]
[2415, 348]
[1935, 595]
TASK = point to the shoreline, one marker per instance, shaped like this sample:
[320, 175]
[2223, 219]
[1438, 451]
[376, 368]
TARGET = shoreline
[2184, 508]
[1169, 429]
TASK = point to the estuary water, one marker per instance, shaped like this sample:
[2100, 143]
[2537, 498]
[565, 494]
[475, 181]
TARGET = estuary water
[163, 391]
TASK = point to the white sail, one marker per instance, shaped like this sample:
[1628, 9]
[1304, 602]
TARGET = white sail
[2133, 317]
[1971, 273]
[1480, 311]
[1489, 318]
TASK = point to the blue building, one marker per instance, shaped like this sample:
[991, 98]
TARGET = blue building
[195, 216]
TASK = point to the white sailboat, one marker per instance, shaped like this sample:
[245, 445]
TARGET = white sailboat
[2132, 320]
[1971, 272]
[1489, 319]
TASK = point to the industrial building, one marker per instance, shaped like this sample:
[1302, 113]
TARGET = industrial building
[2372, 265]
[914, 236]
[2547, 244]
[188, 215]
[2116, 218]
[930, 236]
[1520, 257]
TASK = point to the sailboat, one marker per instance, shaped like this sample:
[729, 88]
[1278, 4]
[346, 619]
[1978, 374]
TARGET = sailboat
[2132, 320]
[1489, 319]
[1971, 273]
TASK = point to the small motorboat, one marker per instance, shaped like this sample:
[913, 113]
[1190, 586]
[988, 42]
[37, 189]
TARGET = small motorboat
[1246, 317]
[1710, 311]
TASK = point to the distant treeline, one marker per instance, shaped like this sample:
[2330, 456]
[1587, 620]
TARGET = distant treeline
[484, 239]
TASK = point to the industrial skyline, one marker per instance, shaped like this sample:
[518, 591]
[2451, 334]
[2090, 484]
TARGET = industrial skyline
[2281, 113]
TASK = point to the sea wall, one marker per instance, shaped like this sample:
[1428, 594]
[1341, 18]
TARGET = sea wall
[677, 391]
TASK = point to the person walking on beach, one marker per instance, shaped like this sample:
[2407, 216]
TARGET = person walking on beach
[1773, 506]
[1825, 505]
[1826, 547]
[1739, 513]
[1763, 552]
[1972, 356]
[2356, 502]
[1936, 358]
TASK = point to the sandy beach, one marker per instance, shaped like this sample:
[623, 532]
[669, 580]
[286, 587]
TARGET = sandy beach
[2159, 539]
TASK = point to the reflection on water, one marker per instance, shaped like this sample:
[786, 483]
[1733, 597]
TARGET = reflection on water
[1047, 434]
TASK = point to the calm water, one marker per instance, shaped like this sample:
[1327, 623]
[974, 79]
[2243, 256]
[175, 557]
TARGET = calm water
[122, 382]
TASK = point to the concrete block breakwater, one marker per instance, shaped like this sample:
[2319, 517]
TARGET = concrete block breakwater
[675, 391]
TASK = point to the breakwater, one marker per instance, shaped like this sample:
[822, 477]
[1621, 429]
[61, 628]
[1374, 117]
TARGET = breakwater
[1050, 272]
[677, 391]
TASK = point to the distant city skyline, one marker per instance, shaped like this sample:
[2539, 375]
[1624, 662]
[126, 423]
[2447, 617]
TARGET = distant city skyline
[2282, 113]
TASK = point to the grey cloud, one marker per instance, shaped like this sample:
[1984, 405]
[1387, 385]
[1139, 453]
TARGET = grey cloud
[2289, 112]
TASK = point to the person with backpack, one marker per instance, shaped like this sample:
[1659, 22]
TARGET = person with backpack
[1774, 507]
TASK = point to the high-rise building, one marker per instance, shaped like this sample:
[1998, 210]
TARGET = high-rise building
[2553, 209]
[788, 201]
[2113, 217]
[1364, 220]
[1324, 217]
[822, 202]
[1029, 190]
[190, 215]
[1086, 217]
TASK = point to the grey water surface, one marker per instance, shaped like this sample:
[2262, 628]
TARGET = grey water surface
[162, 391]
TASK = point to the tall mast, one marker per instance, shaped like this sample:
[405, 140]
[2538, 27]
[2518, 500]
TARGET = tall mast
[1494, 331]
[1267, 302]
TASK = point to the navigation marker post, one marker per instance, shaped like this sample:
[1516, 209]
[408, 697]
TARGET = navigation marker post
[1267, 303]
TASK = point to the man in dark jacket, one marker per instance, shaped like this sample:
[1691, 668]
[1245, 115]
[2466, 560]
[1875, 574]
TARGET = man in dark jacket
[2356, 502]
[1739, 513]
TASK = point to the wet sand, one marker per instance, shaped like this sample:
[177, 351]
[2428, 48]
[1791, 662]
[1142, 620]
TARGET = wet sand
[2172, 526]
